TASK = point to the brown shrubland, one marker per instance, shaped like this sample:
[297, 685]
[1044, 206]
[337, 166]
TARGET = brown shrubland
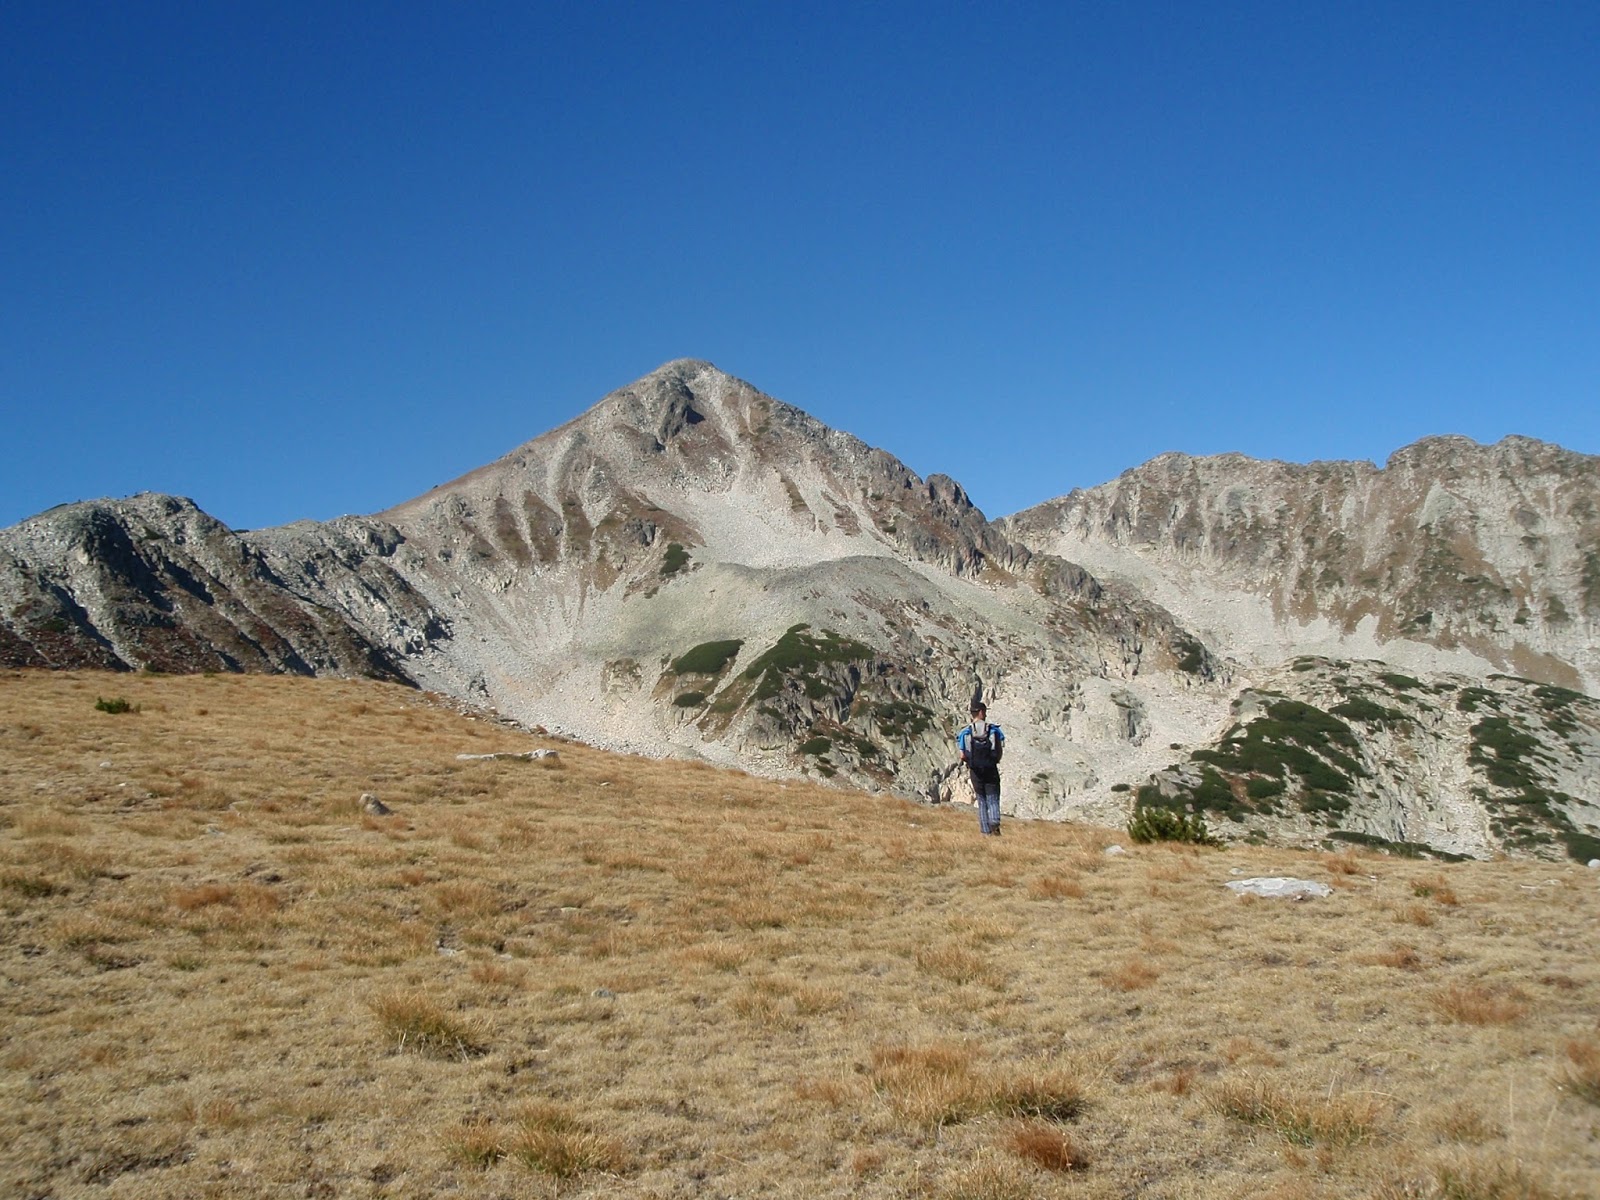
[596, 975]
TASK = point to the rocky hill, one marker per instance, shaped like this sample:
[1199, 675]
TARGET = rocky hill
[1453, 556]
[692, 567]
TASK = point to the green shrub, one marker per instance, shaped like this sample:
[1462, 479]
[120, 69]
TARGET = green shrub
[1503, 751]
[798, 655]
[1581, 846]
[675, 560]
[816, 746]
[1557, 703]
[1399, 849]
[1214, 792]
[1292, 737]
[117, 704]
[707, 658]
[902, 718]
[1169, 825]
[1359, 708]
[1264, 787]
[1191, 656]
[1324, 802]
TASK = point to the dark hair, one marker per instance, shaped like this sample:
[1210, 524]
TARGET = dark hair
[977, 707]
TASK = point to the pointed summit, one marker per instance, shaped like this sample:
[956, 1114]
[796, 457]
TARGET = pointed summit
[719, 465]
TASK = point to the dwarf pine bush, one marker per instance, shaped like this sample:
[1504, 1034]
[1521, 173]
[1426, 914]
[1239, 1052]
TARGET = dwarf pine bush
[1170, 825]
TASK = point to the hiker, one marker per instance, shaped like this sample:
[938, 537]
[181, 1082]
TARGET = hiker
[981, 745]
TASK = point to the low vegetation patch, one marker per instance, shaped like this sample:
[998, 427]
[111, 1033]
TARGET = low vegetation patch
[1486, 1178]
[549, 1139]
[414, 1021]
[674, 560]
[1162, 824]
[542, 1137]
[1045, 1145]
[1295, 748]
[798, 657]
[1402, 683]
[988, 1177]
[1300, 1118]
[1369, 712]
[943, 1083]
[1191, 657]
[116, 704]
[1526, 811]
[1398, 849]
[708, 658]
[902, 718]
[1582, 1074]
[1479, 1004]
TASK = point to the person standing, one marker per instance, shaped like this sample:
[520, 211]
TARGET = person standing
[981, 745]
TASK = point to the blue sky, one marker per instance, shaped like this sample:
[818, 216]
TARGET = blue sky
[301, 260]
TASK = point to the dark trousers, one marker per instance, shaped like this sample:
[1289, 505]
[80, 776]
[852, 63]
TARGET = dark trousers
[988, 807]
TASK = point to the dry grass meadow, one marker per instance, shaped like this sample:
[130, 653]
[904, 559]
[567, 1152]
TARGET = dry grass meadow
[597, 975]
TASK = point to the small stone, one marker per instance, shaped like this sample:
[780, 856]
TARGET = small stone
[1113, 850]
[1594, 864]
[371, 804]
[105, 765]
[604, 994]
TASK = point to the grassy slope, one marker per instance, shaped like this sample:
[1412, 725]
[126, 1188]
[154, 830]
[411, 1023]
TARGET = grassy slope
[221, 978]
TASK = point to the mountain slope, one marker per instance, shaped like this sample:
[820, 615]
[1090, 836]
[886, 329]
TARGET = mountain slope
[694, 568]
[690, 509]
[1453, 556]
[152, 582]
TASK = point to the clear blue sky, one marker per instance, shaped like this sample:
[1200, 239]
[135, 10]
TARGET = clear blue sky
[297, 260]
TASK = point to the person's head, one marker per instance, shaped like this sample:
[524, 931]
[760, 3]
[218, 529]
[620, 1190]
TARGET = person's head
[979, 712]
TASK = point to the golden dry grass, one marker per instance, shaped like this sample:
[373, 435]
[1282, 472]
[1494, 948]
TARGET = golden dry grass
[598, 975]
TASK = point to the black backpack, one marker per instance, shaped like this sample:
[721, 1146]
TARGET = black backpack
[983, 754]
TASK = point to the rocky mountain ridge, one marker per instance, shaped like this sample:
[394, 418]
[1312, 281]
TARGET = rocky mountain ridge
[1452, 556]
[692, 567]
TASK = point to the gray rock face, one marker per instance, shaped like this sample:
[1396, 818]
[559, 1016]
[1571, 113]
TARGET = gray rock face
[153, 582]
[694, 568]
[1455, 556]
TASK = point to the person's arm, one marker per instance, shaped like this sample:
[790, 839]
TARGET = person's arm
[999, 743]
[961, 744]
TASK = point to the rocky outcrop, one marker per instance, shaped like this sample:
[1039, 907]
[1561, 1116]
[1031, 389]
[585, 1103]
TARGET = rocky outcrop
[1453, 556]
[1357, 752]
[154, 583]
